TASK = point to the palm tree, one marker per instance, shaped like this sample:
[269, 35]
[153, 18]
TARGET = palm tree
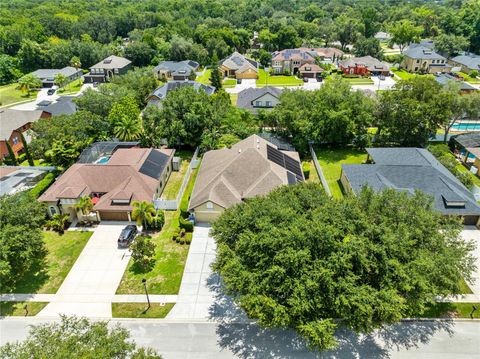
[60, 80]
[143, 212]
[127, 129]
[75, 62]
[84, 205]
[59, 221]
[28, 82]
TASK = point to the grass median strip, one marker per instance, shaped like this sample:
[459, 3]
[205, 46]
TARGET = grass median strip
[451, 310]
[17, 309]
[63, 250]
[137, 310]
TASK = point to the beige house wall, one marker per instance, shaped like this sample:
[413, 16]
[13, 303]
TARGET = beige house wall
[207, 215]
[248, 74]
[417, 65]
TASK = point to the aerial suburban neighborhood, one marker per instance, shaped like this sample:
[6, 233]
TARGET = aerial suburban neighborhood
[215, 179]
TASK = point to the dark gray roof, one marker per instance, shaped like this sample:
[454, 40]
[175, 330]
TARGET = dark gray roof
[63, 106]
[247, 97]
[443, 79]
[177, 67]
[470, 61]
[161, 92]
[49, 74]
[468, 140]
[416, 51]
[409, 170]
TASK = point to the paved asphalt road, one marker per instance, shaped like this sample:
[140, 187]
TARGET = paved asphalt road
[175, 340]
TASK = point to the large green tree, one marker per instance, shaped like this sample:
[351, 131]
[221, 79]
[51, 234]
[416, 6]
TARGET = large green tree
[29, 82]
[74, 337]
[404, 32]
[296, 258]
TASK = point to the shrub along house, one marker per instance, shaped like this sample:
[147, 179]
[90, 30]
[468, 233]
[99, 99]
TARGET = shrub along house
[364, 66]
[106, 69]
[13, 123]
[409, 170]
[252, 167]
[113, 182]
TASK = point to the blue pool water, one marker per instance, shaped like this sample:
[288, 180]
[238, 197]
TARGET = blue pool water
[102, 160]
[466, 126]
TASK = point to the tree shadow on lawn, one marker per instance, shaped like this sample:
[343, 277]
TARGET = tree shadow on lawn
[246, 339]
[32, 280]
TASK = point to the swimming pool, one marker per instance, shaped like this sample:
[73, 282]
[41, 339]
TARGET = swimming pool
[102, 160]
[475, 126]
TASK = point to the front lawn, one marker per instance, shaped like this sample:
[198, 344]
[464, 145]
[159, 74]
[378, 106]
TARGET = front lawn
[359, 80]
[176, 177]
[63, 251]
[450, 310]
[205, 77]
[469, 79]
[229, 83]
[71, 88]
[265, 79]
[9, 94]
[18, 308]
[137, 310]
[330, 161]
[170, 257]
[404, 75]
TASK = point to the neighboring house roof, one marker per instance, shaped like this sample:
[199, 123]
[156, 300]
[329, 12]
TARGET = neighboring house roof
[63, 106]
[112, 62]
[371, 63]
[15, 179]
[443, 79]
[49, 74]
[310, 68]
[250, 168]
[468, 140]
[411, 169]
[131, 173]
[246, 98]
[417, 51]
[306, 53]
[470, 61]
[161, 92]
[238, 62]
[11, 120]
[177, 68]
[382, 35]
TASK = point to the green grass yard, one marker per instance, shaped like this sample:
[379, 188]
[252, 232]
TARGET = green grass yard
[205, 77]
[71, 88]
[229, 83]
[9, 94]
[404, 75]
[176, 177]
[17, 309]
[330, 161]
[265, 79]
[137, 310]
[359, 81]
[170, 257]
[63, 251]
[469, 79]
[450, 310]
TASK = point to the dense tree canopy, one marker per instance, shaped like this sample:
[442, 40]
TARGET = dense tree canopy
[76, 337]
[297, 258]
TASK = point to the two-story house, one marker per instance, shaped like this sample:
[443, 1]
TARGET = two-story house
[291, 60]
[175, 70]
[107, 69]
[419, 58]
[255, 99]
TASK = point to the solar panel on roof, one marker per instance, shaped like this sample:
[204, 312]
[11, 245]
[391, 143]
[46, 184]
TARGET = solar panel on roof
[293, 165]
[275, 156]
[285, 161]
[154, 164]
[292, 179]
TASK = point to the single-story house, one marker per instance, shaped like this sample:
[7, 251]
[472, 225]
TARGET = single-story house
[175, 70]
[47, 76]
[467, 63]
[238, 66]
[364, 66]
[106, 69]
[421, 58]
[409, 170]
[157, 96]
[64, 105]
[15, 179]
[254, 99]
[312, 71]
[113, 183]
[444, 79]
[251, 167]
[12, 124]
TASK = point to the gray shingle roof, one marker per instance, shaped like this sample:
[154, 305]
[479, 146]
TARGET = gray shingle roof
[370, 62]
[247, 97]
[49, 74]
[63, 106]
[112, 62]
[11, 120]
[443, 79]
[470, 61]
[411, 169]
[161, 92]
[177, 67]
[468, 140]
[416, 51]
[238, 62]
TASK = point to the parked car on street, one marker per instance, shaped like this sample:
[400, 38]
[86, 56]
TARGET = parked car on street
[50, 92]
[127, 236]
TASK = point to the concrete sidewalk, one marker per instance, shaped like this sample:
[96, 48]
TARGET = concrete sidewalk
[89, 298]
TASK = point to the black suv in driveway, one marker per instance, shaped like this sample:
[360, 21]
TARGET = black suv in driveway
[127, 236]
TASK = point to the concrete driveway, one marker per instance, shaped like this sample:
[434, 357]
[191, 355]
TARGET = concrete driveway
[98, 270]
[471, 233]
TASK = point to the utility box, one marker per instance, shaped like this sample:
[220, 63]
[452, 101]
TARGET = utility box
[176, 163]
